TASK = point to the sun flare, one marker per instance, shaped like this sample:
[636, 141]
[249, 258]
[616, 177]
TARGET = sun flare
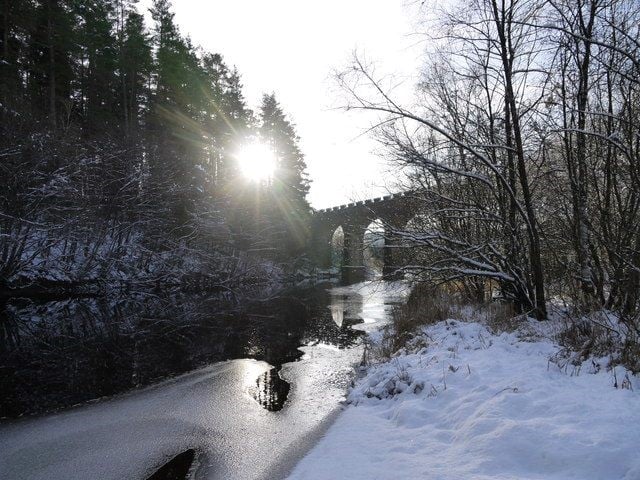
[257, 161]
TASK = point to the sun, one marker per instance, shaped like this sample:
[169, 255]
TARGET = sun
[257, 161]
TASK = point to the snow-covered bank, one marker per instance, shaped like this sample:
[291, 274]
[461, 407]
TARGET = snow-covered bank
[469, 404]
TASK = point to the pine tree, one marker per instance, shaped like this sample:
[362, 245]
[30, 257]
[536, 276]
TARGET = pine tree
[290, 184]
[226, 121]
[100, 58]
[53, 45]
[15, 23]
[135, 65]
[171, 126]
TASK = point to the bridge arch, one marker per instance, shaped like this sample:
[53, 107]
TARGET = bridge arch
[373, 248]
[337, 247]
[391, 211]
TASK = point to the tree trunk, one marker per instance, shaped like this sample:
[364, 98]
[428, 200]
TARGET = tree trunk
[535, 259]
[52, 67]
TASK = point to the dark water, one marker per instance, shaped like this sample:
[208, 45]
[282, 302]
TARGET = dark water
[178, 468]
[59, 353]
[270, 390]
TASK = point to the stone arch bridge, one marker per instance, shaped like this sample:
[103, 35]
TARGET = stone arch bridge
[393, 211]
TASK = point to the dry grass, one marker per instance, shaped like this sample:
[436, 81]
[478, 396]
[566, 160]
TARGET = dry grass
[426, 305]
[500, 317]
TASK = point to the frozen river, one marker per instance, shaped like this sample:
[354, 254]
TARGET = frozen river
[218, 410]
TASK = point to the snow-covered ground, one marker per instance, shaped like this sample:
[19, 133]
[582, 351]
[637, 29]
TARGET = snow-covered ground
[464, 403]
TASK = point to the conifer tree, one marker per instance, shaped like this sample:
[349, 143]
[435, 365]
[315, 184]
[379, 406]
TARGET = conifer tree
[53, 45]
[227, 119]
[172, 128]
[99, 62]
[290, 184]
[15, 22]
[135, 66]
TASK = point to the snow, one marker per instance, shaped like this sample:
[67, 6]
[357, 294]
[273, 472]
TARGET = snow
[466, 403]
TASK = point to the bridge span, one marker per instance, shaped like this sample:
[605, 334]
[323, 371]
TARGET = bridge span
[393, 211]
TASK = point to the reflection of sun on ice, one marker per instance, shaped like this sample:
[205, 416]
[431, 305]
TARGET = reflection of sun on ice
[257, 161]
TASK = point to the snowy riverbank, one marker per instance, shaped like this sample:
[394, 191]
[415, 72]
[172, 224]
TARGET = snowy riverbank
[467, 403]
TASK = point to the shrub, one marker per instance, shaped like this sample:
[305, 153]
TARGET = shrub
[426, 305]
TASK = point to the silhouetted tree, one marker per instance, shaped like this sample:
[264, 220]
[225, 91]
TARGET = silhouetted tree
[290, 184]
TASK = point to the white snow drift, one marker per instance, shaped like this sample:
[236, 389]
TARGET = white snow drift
[469, 404]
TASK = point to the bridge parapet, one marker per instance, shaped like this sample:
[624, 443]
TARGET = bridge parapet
[369, 202]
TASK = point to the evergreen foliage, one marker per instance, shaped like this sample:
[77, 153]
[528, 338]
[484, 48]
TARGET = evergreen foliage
[290, 185]
[120, 138]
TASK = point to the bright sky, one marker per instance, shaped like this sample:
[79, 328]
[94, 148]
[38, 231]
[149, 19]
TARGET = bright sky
[291, 47]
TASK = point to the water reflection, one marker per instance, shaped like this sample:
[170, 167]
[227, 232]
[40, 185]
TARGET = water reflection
[337, 312]
[55, 354]
[346, 308]
[178, 468]
[270, 390]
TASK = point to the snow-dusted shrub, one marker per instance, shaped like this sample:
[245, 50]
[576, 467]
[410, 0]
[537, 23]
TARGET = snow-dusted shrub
[605, 335]
[630, 352]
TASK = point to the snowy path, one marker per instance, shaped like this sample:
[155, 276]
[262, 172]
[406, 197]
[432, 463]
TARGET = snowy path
[129, 436]
[472, 405]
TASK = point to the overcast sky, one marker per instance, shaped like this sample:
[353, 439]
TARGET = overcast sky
[291, 47]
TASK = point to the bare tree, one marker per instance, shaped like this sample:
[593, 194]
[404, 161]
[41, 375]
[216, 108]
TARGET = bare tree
[467, 145]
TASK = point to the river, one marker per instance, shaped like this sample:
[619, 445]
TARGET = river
[261, 384]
